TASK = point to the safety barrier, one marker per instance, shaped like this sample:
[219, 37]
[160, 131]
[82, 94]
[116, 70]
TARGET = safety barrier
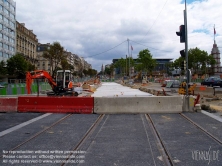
[8, 104]
[81, 105]
[89, 105]
[204, 90]
[159, 104]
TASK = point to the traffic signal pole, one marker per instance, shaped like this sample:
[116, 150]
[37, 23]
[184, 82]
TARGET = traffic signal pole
[186, 57]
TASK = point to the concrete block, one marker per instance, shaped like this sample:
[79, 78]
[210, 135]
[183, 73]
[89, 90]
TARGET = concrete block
[136, 105]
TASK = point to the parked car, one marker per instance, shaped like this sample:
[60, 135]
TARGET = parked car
[218, 83]
[211, 81]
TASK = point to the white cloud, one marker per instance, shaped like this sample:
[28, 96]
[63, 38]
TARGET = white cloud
[88, 28]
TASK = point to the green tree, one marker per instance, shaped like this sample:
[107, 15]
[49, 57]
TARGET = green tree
[107, 70]
[121, 64]
[146, 62]
[31, 67]
[198, 60]
[54, 54]
[3, 69]
[17, 66]
[65, 65]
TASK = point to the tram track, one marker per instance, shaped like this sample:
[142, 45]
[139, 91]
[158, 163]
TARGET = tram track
[84, 138]
[167, 159]
[165, 153]
[202, 129]
[38, 134]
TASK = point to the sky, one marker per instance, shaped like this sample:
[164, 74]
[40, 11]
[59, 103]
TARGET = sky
[103, 30]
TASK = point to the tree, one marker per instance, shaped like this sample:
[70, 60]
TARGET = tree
[92, 72]
[31, 67]
[3, 69]
[121, 65]
[17, 66]
[199, 61]
[146, 61]
[65, 65]
[54, 54]
[107, 71]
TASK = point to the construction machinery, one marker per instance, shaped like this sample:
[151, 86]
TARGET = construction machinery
[61, 86]
[182, 88]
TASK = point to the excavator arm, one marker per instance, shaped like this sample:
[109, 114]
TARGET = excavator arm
[38, 74]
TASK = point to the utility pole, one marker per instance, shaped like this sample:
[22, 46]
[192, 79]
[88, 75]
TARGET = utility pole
[184, 65]
[186, 53]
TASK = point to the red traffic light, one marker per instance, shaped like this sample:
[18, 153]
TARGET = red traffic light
[181, 33]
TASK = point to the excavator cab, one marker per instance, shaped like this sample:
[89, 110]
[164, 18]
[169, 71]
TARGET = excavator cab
[63, 77]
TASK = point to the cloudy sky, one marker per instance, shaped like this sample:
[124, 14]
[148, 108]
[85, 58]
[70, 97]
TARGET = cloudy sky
[98, 29]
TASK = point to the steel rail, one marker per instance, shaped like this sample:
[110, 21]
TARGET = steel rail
[201, 128]
[37, 134]
[160, 145]
[84, 138]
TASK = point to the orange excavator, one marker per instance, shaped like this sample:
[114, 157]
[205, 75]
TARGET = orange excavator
[62, 86]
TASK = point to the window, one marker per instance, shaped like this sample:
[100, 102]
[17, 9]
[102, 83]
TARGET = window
[11, 40]
[1, 54]
[5, 37]
[12, 15]
[6, 2]
[6, 46]
[1, 16]
[5, 55]
[12, 8]
[6, 20]
[6, 11]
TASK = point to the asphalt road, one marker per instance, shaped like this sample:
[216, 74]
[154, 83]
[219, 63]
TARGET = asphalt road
[123, 139]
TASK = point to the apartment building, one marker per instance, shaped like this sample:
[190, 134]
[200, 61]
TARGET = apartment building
[43, 64]
[7, 29]
[26, 43]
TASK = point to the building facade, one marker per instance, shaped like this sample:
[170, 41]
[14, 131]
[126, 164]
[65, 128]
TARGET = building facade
[26, 43]
[217, 69]
[7, 29]
[43, 64]
[160, 67]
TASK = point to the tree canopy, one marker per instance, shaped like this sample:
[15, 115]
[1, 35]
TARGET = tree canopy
[17, 66]
[199, 61]
[146, 62]
[55, 55]
[3, 69]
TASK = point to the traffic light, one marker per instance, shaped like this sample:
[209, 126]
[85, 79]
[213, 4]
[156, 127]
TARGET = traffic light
[181, 33]
[183, 65]
[182, 53]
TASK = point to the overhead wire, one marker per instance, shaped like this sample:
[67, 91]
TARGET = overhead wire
[148, 46]
[106, 50]
[156, 19]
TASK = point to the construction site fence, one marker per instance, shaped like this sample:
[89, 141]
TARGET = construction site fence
[20, 88]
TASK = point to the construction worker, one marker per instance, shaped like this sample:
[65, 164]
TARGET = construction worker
[70, 85]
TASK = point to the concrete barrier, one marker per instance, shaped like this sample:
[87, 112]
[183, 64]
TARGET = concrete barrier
[159, 104]
[204, 90]
[8, 104]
